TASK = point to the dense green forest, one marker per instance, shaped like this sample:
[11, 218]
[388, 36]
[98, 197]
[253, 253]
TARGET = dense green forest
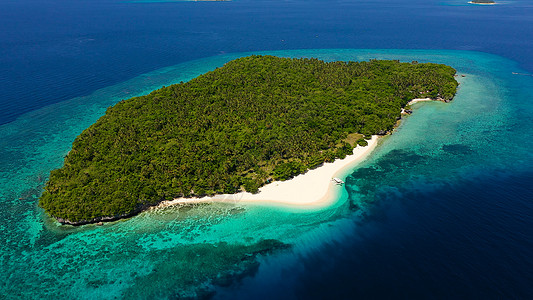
[255, 119]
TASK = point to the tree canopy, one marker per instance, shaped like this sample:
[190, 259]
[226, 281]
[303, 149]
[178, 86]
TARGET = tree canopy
[256, 119]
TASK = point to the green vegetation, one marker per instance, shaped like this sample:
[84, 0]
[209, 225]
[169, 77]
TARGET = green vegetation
[255, 119]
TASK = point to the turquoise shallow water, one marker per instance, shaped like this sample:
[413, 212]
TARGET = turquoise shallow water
[183, 251]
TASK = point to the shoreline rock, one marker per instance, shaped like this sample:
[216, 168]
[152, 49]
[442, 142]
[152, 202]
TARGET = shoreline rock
[100, 220]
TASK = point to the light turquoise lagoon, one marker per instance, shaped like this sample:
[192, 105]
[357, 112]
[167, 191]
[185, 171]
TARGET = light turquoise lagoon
[186, 251]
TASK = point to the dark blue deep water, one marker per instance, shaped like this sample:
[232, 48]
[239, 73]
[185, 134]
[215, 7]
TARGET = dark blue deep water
[468, 241]
[54, 50]
[442, 209]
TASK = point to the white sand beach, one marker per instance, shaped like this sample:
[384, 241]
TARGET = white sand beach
[312, 189]
[419, 100]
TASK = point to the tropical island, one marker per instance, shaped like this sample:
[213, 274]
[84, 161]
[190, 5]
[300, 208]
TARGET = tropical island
[255, 120]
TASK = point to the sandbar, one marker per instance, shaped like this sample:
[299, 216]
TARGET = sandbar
[419, 100]
[480, 3]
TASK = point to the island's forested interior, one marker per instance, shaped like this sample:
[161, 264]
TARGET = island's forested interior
[255, 119]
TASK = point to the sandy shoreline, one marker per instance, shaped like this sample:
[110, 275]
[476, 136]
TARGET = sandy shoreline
[419, 100]
[312, 189]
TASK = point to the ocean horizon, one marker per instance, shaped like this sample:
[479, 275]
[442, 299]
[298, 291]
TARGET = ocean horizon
[441, 209]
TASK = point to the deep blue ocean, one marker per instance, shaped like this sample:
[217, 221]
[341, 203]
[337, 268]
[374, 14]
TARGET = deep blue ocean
[442, 209]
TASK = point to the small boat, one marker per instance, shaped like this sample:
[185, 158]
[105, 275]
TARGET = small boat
[337, 180]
